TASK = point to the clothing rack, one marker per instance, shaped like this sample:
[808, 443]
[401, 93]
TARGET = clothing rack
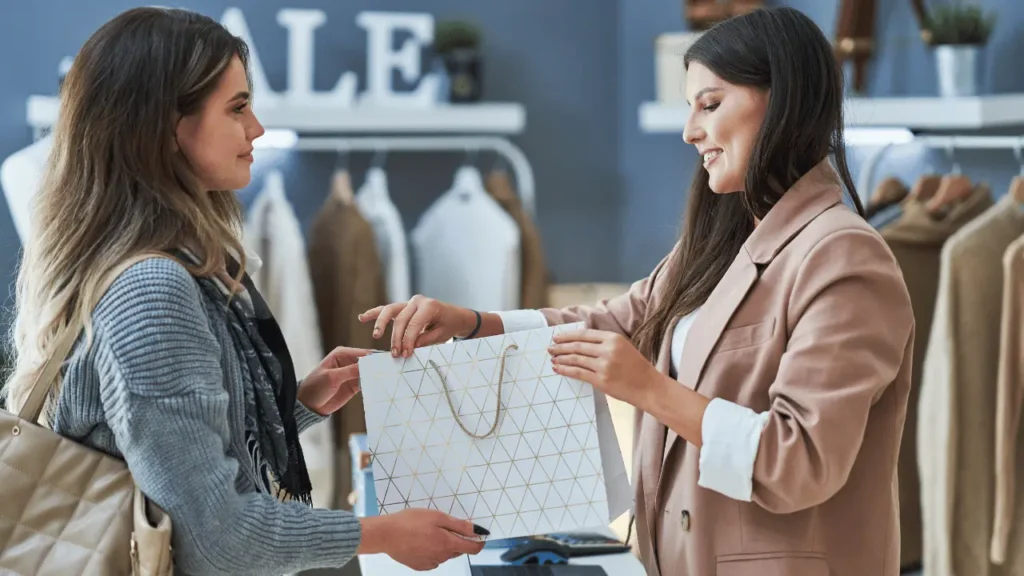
[470, 144]
[950, 143]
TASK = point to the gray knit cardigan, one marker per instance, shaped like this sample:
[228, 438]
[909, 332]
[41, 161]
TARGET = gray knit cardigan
[161, 387]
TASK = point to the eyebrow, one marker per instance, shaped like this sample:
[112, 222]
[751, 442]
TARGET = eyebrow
[703, 92]
[243, 95]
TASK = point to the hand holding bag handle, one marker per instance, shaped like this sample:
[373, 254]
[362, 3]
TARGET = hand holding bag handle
[150, 546]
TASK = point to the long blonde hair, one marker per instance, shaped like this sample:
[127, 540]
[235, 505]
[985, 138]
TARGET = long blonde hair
[115, 185]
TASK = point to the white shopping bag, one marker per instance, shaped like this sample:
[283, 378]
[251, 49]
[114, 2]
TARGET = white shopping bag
[546, 460]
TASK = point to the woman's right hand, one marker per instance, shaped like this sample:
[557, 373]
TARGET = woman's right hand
[419, 538]
[419, 322]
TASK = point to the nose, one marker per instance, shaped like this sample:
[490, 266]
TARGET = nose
[692, 132]
[255, 129]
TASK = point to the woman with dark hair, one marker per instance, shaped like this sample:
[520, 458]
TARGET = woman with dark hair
[182, 371]
[768, 355]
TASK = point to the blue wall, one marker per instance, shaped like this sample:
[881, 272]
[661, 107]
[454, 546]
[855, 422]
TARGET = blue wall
[610, 198]
[564, 74]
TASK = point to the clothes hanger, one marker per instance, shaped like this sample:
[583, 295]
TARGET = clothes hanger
[889, 191]
[467, 178]
[925, 187]
[376, 178]
[341, 183]
[953, 187]
[1017, 184]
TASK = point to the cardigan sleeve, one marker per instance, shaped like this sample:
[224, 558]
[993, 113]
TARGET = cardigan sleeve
[165, 401]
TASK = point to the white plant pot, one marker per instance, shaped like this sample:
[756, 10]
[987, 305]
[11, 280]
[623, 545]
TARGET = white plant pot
[957, 68]
[670, 75]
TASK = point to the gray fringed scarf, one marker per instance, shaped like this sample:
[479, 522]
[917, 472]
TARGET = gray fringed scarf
[272, 436]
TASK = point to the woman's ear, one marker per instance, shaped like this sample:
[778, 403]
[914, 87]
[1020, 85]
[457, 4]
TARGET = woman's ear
[177, 126]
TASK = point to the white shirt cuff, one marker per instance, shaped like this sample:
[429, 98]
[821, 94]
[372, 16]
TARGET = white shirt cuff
[731, 435]
[521, 320]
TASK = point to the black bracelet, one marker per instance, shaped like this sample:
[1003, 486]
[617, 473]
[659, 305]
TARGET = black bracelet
[479, 323]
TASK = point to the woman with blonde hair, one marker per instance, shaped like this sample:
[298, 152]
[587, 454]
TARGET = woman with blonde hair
[181, 370]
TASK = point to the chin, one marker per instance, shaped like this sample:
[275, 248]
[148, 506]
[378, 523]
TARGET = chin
[724, 186]
[238, 182]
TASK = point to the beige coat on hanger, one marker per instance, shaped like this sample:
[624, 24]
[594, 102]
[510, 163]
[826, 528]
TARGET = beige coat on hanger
[916, 240]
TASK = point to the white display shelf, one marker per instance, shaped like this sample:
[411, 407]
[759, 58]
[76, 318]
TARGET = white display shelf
[915, 113]
[493, 118]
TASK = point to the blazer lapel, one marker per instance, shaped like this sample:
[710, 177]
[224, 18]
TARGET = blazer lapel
[811, 195]
[652, 443]
[708, 326]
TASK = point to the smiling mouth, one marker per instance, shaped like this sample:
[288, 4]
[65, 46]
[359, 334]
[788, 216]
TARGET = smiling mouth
[710, 157]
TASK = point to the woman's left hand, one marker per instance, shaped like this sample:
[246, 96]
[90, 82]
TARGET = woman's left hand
[334, 382]
[607, 361]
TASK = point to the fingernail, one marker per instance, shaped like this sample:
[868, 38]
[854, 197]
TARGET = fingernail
[481, 531]
[376, 333]
[394, 352]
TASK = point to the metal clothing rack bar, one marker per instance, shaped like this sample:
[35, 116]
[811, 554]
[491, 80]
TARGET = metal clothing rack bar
[502, 146]
[970, 142]
[950, 143]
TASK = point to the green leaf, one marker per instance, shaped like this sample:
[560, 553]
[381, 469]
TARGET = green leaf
[959, 23]
[452, 35]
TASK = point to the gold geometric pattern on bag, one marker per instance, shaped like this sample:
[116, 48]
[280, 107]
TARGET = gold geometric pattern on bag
[541, 472]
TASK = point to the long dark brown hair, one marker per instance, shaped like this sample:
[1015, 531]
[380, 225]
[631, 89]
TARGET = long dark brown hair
[783, 51]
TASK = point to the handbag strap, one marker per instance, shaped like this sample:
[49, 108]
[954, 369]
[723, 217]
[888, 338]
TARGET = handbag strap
[65, 340]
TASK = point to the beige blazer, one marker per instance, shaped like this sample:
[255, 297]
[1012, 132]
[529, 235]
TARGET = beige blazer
[1009, 510]
[813, 324]
[956, 433]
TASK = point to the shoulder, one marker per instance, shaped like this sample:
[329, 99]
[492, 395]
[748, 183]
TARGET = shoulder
[840, 250]
[847, 237]
[150, 286]
[153, 325]
[153, 320]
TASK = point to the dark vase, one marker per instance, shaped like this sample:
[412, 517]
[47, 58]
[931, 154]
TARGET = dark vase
[465, 70]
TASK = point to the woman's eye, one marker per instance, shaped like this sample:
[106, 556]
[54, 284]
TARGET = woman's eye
[711, 107]
[241, 108]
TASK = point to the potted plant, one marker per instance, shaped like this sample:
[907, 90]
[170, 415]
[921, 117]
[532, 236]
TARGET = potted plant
[457, 42]
[957, 31]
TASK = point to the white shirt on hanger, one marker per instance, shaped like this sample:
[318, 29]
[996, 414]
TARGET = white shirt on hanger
[467, 248]
[375, 205]
[731, 433]
[20, 176]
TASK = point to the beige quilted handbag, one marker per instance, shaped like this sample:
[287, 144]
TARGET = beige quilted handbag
[66, 509]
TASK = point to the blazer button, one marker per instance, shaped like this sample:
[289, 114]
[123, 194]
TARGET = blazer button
[686, 521]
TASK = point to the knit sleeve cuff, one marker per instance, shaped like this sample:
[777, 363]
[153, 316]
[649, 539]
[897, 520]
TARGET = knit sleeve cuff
[304, 417]
[340, 537]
